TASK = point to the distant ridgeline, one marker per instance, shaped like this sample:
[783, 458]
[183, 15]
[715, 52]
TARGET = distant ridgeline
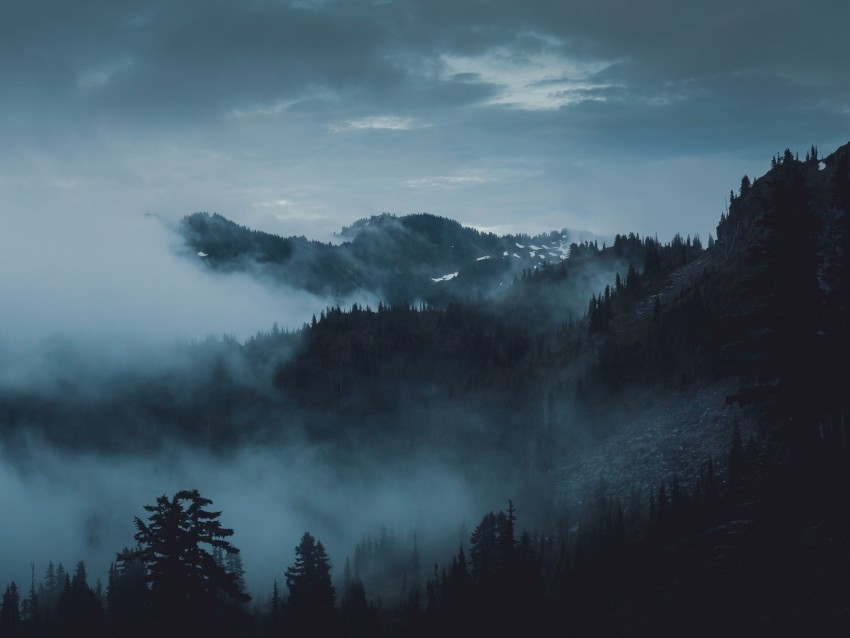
[416, 257]
[569, 325]
[750, 539]
[563, 333]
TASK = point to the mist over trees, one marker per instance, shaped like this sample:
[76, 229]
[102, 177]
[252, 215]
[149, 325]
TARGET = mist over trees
[497, 389]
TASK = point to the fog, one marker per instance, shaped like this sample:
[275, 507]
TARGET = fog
[113, 394]
[109, 291]
[111, 297]
[68, 507]
[121, 277]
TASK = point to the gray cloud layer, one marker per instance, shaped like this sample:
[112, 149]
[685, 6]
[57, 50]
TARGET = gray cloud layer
[165, 59]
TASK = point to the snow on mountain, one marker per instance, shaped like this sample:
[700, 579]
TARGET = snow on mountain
[448, 277]
[395, 257]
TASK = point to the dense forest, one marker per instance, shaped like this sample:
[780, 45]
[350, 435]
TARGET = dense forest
[501, 380]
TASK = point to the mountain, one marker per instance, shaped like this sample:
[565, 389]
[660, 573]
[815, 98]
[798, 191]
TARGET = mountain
[415, 257]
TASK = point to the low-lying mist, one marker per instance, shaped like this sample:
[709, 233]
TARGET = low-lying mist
[109, 299]
[120, 279]
[67, 507]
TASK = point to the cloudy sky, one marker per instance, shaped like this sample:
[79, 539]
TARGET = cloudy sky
[298, 117]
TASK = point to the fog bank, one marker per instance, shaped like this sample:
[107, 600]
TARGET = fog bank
[69, 507]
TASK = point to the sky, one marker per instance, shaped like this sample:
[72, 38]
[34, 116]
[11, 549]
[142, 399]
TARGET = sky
[300, 117]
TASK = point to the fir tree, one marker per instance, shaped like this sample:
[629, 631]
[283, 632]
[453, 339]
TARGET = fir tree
[10, 611]
[189, 591]
[310, 607]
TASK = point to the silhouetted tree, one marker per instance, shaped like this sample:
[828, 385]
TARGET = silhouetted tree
[80, 612]
[127, 596]
[29, 607]
[190, 593]
[310, 608]
[10, 612]
[357, 617]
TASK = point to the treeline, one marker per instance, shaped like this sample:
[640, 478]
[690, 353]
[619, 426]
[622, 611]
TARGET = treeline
[758, 549]
[364, 367]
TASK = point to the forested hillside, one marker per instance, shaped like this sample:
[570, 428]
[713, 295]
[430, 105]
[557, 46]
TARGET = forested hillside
[519, 367]
[399, 259]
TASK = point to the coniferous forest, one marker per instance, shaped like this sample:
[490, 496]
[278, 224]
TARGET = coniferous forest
[509, 374]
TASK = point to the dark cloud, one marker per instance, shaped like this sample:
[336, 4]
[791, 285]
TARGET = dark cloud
[200, 58]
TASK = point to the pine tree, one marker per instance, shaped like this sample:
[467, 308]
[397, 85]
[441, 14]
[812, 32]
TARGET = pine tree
[346, 575]
[10, 611]
[190, 593]
[234, 567]
[310, 608]
[357, 617]
[276, 603]
[127, 596]
[29, 607]
[51, 584]
[79, 612]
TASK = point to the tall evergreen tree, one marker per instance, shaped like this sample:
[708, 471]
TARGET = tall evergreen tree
[310, 609]
[10, 611]
[29, 606]
[127, 596]
[234, 567]
[79, 612]
[190, 593]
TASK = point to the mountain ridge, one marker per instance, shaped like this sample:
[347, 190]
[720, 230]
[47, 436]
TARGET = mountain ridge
[394, 258]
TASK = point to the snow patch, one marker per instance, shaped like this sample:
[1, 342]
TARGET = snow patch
[483, 258]
[519, 245]
[448, 277]
[202, 254]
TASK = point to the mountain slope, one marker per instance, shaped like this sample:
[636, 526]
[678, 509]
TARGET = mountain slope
[416, 257]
